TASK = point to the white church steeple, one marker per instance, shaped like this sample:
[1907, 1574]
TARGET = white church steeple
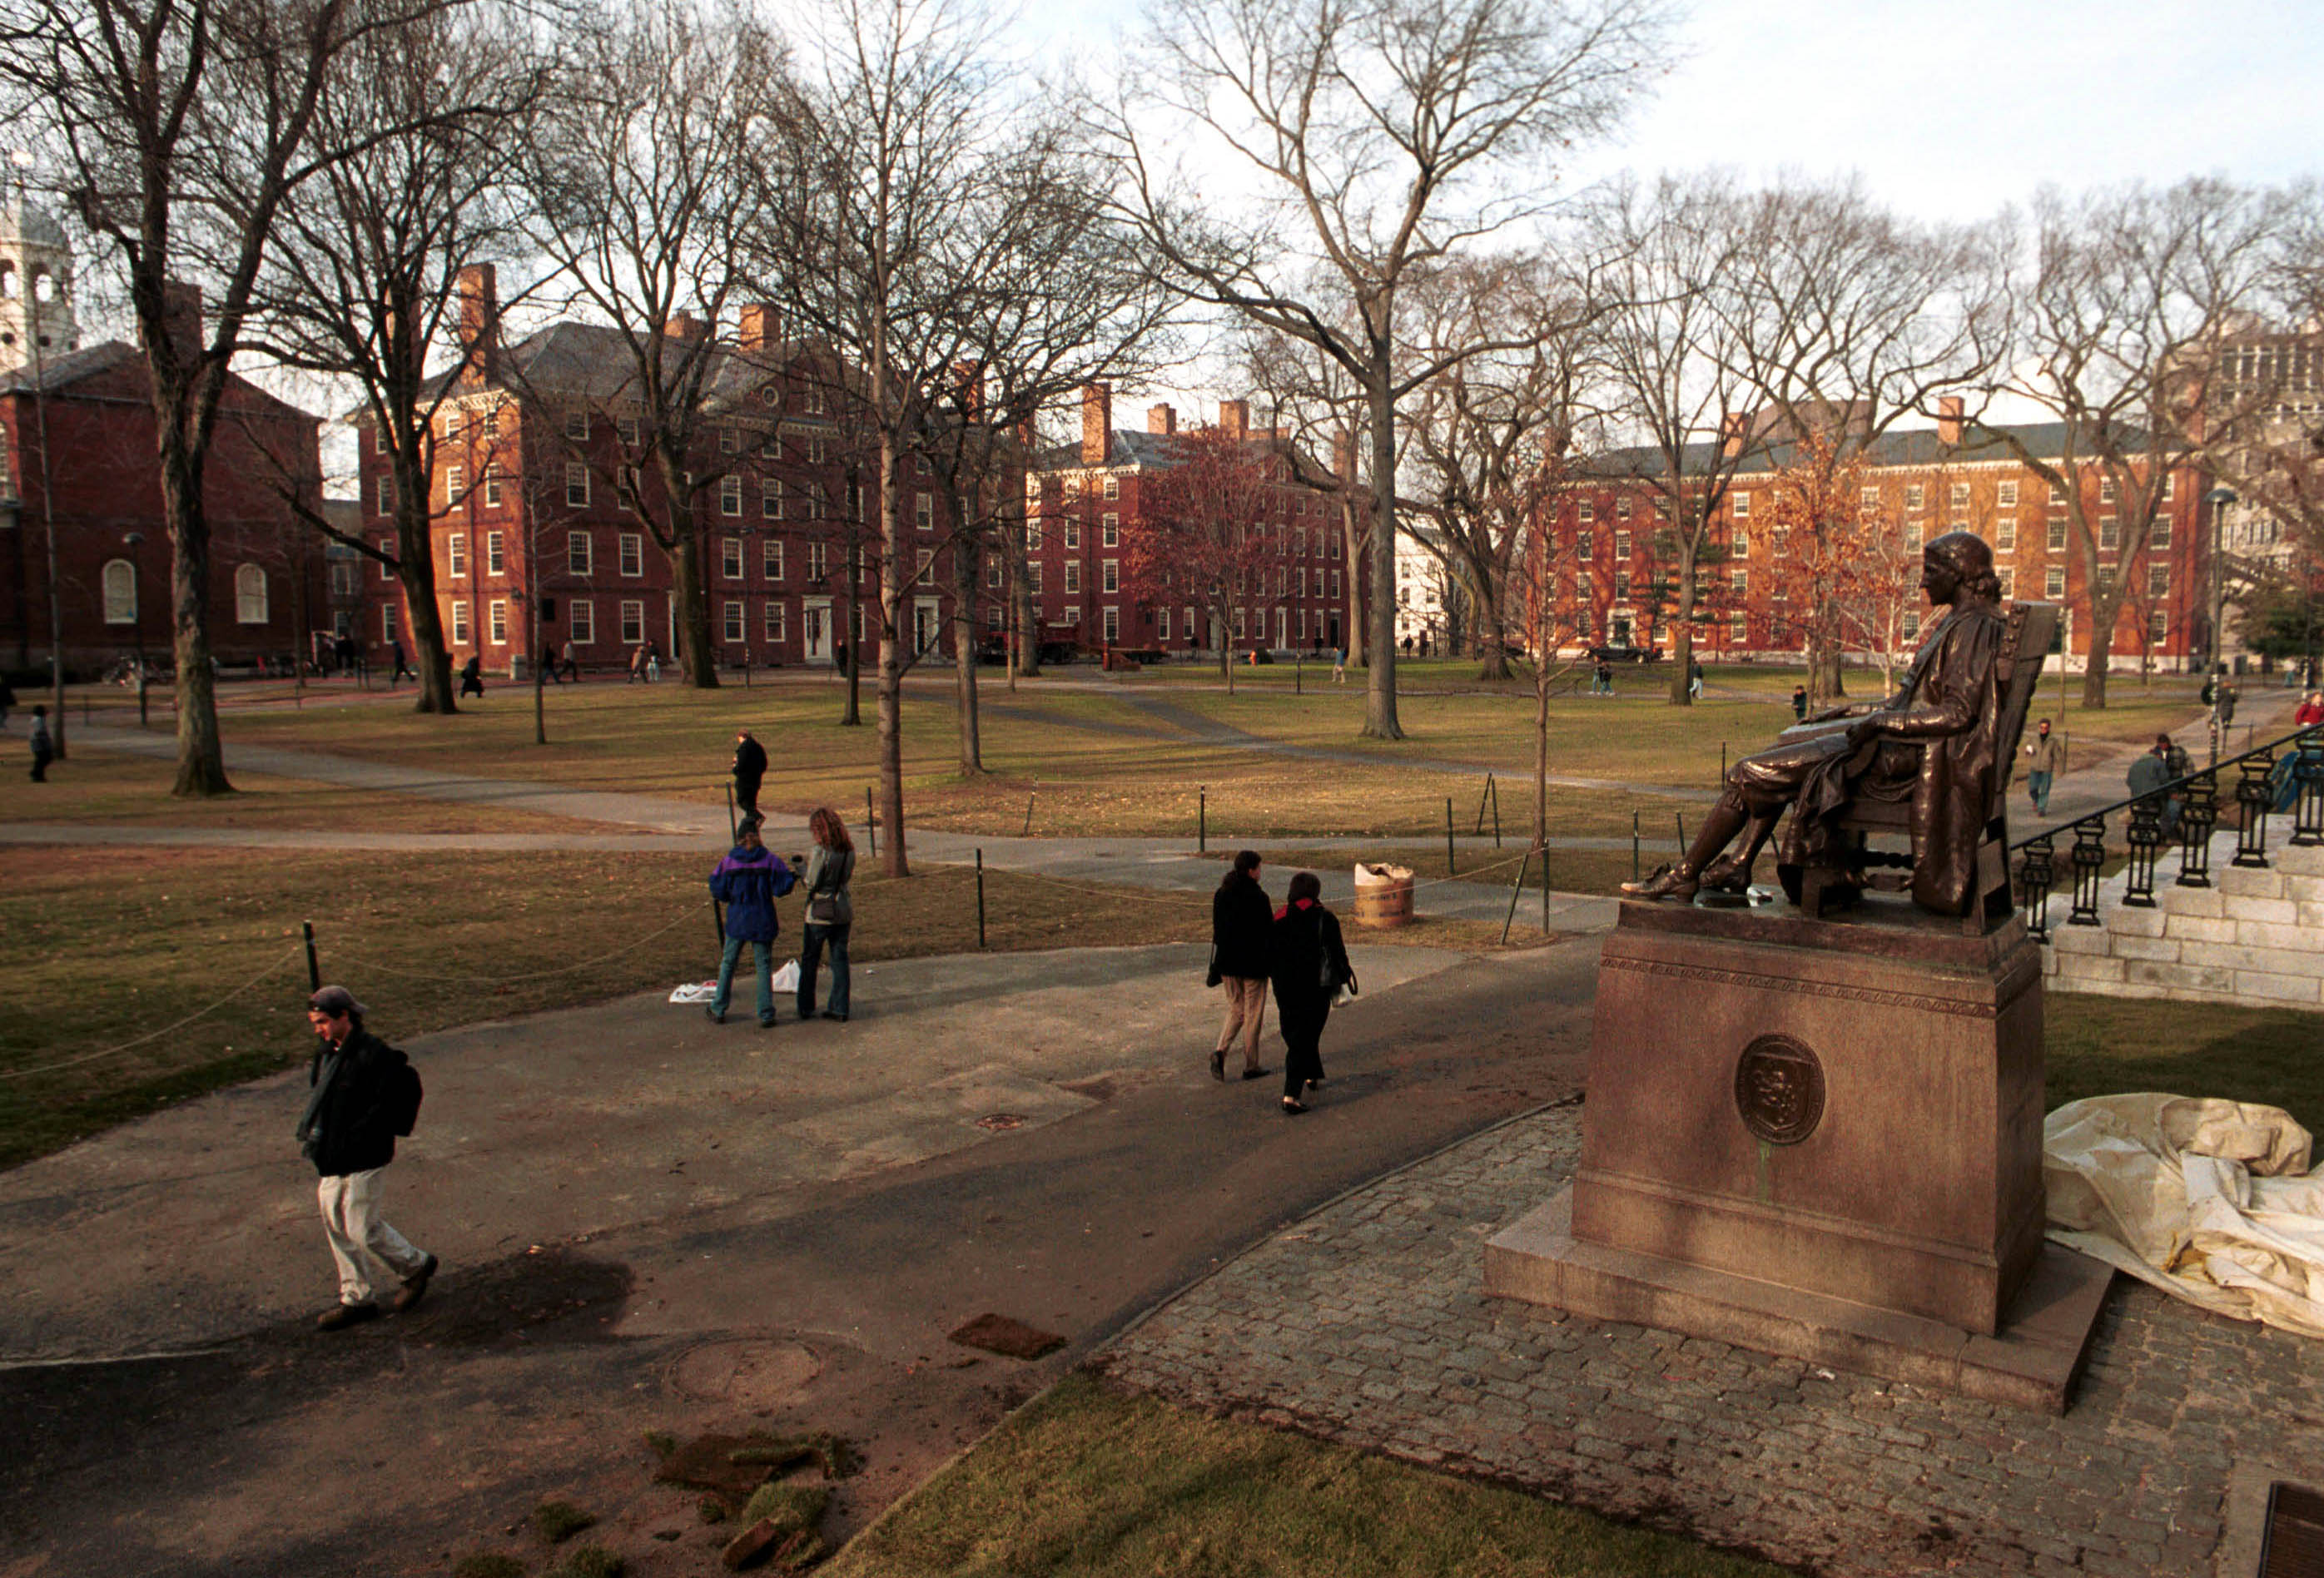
[36, 284]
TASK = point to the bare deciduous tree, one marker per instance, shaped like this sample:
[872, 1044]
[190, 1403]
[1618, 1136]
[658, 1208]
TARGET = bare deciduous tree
[1386, 135]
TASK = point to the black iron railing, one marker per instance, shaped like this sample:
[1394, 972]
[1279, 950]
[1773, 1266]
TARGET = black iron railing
[2184, 810]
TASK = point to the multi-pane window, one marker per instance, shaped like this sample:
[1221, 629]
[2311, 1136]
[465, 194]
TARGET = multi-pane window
[1738, 627]
[774, 621]
[580, 553]
[379, 439]
[1621, 545]
[2054, 584]
[993, 573]
[924, 512]
[2159, 534]
[583, 616]
[386, 495]
[731, 616]
[576, 424]
[634, 622]
[2004, 533]
[1335, 584]
[2008, 579]
[576, 486]
[1960, 496]
[814, 448]
[1585, 545]
[2170, 482]
[2106, 490]
[2057, 536]
[628, 428]
[2158, 580]
[1867, 498]
[1113, 625]
[1109, 531]
[633, 553]
[391, 626]
[455, 552]
[927, 563]
[729, 441]
[455, 483]
[1113, 487]
[1110, 576]
[730, 495]
[730, 558]
[2158, 626]
[1161, 625]
[1033, 536]
[1622, 508]
[1033, 577]
[495, 553]
[387, 556]
[770, 498]
[496, 621]
[1739, 582]
[1914, 495]
[249, 594]
[2109, 533]
[770, 558]
[2005, 492]
[1621, 586]
[494, 478]
[1913, 533]
[1586, 510]
[1739, 506]
[1912, 624]
[818, 561]
[1072, 533]
[1072, 575]
[1739, 542]
[460, 623]
[1779, 542]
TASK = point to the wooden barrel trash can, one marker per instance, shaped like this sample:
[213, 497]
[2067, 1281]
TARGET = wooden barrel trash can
[1383, 895]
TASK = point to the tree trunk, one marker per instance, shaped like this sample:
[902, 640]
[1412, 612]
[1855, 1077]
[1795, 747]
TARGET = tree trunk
[893, 591]
[1682, 685]
[201, 754]
[1351, 617]
[416, 569]
[851, 714]
[1492, 647]
[2101, 639]
[698, 658]
[1027, 655]
[1379, 696]
[964, 651]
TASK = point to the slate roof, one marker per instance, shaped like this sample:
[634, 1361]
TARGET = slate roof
[58, 373]
[595, 362]
[1916, 447]
[1154, 451]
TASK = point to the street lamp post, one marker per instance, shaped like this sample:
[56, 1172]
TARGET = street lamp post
[135, 541]
[2219, 498]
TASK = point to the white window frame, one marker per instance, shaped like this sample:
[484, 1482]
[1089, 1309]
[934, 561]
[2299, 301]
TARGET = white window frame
[774, 622]
[1739, 505]
[632, 553]
[1109, 531]
[495, 553]
[577, 425]
[734, 622]
[391, 623]
[581, 622]
[576, 486]
[120, 581]
[455, 555]
[459, 622]
[730, 496]
[496, 621]
[770, 558]
[634, 622]
[730, 559]
[1072, 576]
[580, 553]
[1110, 576]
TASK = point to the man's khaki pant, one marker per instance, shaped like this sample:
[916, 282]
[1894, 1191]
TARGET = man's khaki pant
[360, 1236]
[1246, 1009]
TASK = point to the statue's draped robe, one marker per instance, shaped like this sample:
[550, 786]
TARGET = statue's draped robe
[1936, 746]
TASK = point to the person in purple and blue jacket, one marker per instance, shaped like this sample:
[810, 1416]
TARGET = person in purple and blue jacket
[748, 881]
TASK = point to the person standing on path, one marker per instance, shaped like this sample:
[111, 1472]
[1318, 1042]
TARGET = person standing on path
[1242, 928]
[749, 770]
[748, 881]
[2047, 759]
[653, 664]
[1799, 704]
[637, 666]
[1340, 665]
[548, 664]
[403, 666]
[830, 914]
[2146, 778]
[572, 664]
[1694, 680]
[362, 1095]
[44, 749]
[1309, 965]
[472, 676]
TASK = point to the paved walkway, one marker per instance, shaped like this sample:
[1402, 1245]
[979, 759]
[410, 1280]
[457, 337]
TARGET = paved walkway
[1364, 1323]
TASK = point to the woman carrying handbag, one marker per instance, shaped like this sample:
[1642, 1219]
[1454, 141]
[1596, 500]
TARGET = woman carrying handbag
[830, 917]
[1242, 938]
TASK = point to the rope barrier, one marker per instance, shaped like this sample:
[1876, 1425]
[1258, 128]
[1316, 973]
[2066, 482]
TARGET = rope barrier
[287, 955]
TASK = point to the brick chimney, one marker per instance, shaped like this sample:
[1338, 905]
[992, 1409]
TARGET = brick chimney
[1162, 420]
[480, 310]
[1344, 459]
[1234, 416]
[759, 327]
[1732, 430]
[686, 327]
[968, 385]
[1948, 421]
[181, 317]
[1097, 423]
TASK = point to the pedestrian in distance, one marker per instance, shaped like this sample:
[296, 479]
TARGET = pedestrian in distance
[1694, 680]
[572, 665]
[1603, 678]
[1340, 665]
[653, 664]
[1242, 934]
[402, 666]
[637, 666]
[44, 749]
[748, 881]
[749, 770]
[2150, 773]
[830, 913]
[472, 677]
[2228, 695]
[548, 664]
[1408, 646]
[2310, 711]
[362, 1095]
[1799, 704]
[1309, 966]
[2046, 759]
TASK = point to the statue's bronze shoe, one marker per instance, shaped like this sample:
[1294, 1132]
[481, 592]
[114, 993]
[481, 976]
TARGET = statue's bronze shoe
[1666, 883]
[1729, 873]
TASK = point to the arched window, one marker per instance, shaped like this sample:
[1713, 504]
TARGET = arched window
[11, 285]
[249, 594]
[120, 592]
[45, 286]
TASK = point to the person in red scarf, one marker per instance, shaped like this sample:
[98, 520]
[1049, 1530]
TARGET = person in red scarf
[1309, 967]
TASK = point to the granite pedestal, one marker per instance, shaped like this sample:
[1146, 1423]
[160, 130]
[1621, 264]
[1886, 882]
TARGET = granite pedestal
[1821, 1138]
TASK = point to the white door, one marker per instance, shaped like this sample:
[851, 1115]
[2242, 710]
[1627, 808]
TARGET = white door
[814, 629]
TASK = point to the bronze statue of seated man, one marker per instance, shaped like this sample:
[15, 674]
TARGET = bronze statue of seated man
[1933, 743]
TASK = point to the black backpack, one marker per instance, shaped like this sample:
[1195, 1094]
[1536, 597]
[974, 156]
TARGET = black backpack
[401, 1103]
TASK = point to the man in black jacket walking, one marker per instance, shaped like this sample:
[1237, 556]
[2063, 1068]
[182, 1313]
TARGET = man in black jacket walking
[750, 768]
[349, 1132]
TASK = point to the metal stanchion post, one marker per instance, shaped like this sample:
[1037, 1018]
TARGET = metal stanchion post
[1516, 888]
[870, 821]
[1201, 818]
[314, 966]
[979, 896]
[1449, 870]
[1634, 846]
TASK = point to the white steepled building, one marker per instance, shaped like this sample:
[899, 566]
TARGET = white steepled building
[36, 285]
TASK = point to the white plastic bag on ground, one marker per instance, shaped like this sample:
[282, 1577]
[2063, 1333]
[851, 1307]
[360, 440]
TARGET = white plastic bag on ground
[2212, 1201]
[696, 991]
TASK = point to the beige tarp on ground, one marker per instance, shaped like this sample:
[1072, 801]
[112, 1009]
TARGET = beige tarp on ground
[2210, 1200]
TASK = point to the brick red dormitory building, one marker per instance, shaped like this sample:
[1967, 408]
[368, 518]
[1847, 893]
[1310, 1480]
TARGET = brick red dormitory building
[1612, 573]
[100, 485]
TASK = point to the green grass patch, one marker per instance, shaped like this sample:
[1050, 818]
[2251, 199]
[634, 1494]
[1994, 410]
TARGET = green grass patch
[2106, 1045]
[559, 1521]
[1085, 1481]
[587, 1562]
[488, 1564]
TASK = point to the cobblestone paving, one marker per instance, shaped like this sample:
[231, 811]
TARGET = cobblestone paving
[1364, 1323]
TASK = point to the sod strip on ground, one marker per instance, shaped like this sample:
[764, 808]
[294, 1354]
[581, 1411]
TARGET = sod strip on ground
[1086, 1483]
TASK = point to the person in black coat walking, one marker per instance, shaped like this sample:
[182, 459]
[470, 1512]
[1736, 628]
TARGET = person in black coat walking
[1242, 927]
[1309, 966]
[749, 770]
[349, 1132]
